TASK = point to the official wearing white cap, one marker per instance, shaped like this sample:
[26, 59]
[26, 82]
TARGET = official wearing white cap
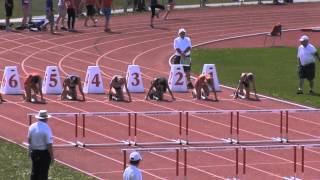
[132, 172]
[306, 63]
[40, 146]
[182, 45]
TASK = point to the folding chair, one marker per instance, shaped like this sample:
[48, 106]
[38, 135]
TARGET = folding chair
[276, 32]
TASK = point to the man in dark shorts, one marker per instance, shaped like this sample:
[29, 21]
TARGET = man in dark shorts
[49, 16]
[33, 83]
[116, 86]
[153, 5]
[182, 46]
[306, 63]
[90, 5]
[69, 88]
[106, 6]
[9, 7]
[159, 86]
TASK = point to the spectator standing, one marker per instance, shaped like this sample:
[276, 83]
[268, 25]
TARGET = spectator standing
[26, 11]
[306, 63]
[49, 16]
[132, 172]
[153, 5]
[106, 6]
[71, 14]
[9, 7]
[182, 46]
[40, 141]
[170, 7]
[62, 12]
[90, 5]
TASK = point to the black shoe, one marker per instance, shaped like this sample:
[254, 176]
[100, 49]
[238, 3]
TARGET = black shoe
[311, 92]
[299, 91]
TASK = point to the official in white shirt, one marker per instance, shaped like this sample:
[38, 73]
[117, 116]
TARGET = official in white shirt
[40, 146]
[306, 63]
[132, 172]
[182, 46]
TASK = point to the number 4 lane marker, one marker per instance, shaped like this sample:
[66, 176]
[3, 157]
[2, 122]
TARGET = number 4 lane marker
[93, 82]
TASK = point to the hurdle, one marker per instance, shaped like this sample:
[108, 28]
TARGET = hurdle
[213, 148]
[58, 116]
[149, 114]
[233, 137]
[126, 142]
[232, 147]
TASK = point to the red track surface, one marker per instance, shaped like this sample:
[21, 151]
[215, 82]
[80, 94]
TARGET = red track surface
[134, 42]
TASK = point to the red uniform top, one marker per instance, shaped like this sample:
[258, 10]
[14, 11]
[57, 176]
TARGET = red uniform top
[106, 3]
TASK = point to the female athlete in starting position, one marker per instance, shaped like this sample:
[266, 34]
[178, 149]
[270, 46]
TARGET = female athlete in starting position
[158, 87]
[69, 88]
[202, 86]
[116, 85]
[33, 83]
[244, 86]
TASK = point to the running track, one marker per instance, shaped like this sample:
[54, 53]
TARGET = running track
[134, 42]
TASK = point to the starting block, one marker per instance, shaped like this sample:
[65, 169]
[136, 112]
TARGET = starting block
[177, 79]
[210, 69]
[134, 79]
[11, 81]
[52, 81]
[93, 82]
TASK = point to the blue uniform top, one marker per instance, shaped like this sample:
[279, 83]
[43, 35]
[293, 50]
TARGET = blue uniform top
[49, 5]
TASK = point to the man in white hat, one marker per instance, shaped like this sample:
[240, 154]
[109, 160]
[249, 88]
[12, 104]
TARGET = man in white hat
[182, 46]
[132, 172]
[40, 146]
[306, 63]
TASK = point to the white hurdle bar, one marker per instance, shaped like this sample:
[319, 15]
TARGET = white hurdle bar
[244, 149]
[70, 144]
[75, 115]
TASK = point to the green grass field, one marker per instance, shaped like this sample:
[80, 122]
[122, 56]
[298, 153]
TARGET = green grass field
[275, 70]
[15, 164]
